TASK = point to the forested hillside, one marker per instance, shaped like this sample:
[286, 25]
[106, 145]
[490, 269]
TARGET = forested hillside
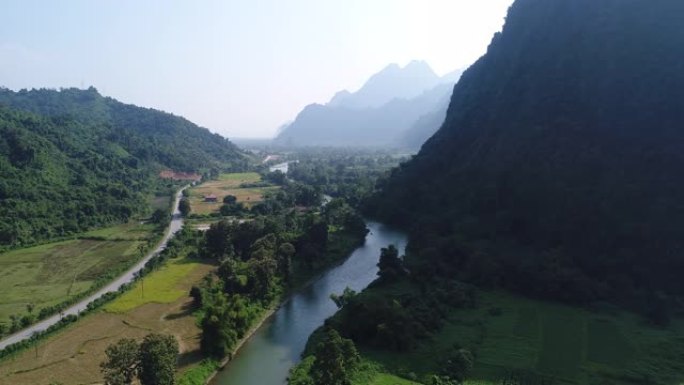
[558, 170]
[73, 160]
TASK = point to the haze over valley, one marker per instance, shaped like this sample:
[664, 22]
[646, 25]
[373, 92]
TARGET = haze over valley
[392, 192]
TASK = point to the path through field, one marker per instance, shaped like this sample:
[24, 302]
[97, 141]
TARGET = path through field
[175, 225]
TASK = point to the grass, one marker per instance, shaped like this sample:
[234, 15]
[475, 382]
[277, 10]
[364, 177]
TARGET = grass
[162, 286]
[129, 231]
[227, 184]
[542, 340]
[50, 274]
[388, 379]
[562, 344]
[238, 178]
[73, 355]
[199, 374]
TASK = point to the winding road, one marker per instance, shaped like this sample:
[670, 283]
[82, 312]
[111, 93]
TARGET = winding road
[175, 225]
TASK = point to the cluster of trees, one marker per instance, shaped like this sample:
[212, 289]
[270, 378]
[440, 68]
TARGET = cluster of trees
[231, 206]
[382, 318]
[564, 183]
[261, 257]
[406, 304]
[343, 173]
[72, 160]
[334, 362]
[152, 362]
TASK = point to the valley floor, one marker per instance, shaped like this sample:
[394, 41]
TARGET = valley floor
[73, 356]
[526, 341]
[52, 273]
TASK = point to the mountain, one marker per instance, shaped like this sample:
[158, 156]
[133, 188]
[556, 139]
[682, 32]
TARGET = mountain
[557, 172]
[73, 160]
[393, 82]
[423, 128]
[389, 104]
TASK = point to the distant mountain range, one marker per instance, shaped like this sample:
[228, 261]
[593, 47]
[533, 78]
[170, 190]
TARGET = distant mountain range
[399, 107]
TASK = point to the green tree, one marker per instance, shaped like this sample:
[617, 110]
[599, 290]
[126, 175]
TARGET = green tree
[459, 364]
[158, 356]
[229, 199]
[121, 364]
[336, 360]
[184, 207]
[344, 298]
[390, 265]
[160, 217]
[285, 253]
[217, 336]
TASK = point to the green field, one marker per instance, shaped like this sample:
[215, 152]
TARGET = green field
[159, 287]
[239, 178]
[49, 274]
[388, 379]
[546, 340]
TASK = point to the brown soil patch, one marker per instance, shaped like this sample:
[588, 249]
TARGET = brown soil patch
[73, 356]
[175, 175]
[220, 188]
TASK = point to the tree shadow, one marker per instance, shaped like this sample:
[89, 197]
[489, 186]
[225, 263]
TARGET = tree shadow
[190, 358]
[185, 311]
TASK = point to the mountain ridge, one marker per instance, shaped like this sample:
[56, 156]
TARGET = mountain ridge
[378, 114]
[73, 160]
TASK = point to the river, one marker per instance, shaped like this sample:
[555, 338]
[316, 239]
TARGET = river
[269, 354]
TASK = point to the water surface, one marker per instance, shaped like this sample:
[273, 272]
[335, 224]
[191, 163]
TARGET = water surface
[268, 356]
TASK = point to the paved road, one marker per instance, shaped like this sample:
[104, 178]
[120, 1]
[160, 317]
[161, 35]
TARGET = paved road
[175, 225]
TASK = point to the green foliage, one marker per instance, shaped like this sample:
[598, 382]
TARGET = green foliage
[153, 361]
[199, 374]
[336, 360]
[72, 160]
[121, 365]
[184, 207]
[552, 175]
[343, 299]
[390, 265]
[459, 365]
[343, 173]
[158, 355]
[300, 373]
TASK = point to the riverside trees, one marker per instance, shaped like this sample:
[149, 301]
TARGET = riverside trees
[153, 361]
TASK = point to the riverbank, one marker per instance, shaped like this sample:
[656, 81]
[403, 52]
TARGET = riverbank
[276, 346]
[340, 248]
[222, 365]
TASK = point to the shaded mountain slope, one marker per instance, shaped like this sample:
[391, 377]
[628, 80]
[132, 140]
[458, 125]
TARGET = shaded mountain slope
[558, 169]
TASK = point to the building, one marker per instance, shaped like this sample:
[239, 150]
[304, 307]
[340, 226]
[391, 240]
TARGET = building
[210, 198]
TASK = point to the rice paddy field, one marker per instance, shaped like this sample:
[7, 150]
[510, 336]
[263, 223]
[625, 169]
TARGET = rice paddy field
[164, 286]
[227, 184]
[73, 355]
[49, 274]
[525, 341]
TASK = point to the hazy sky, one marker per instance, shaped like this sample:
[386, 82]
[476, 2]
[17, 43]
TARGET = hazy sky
[240, 68]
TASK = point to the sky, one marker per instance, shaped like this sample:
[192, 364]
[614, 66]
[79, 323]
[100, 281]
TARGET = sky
[241, 68]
